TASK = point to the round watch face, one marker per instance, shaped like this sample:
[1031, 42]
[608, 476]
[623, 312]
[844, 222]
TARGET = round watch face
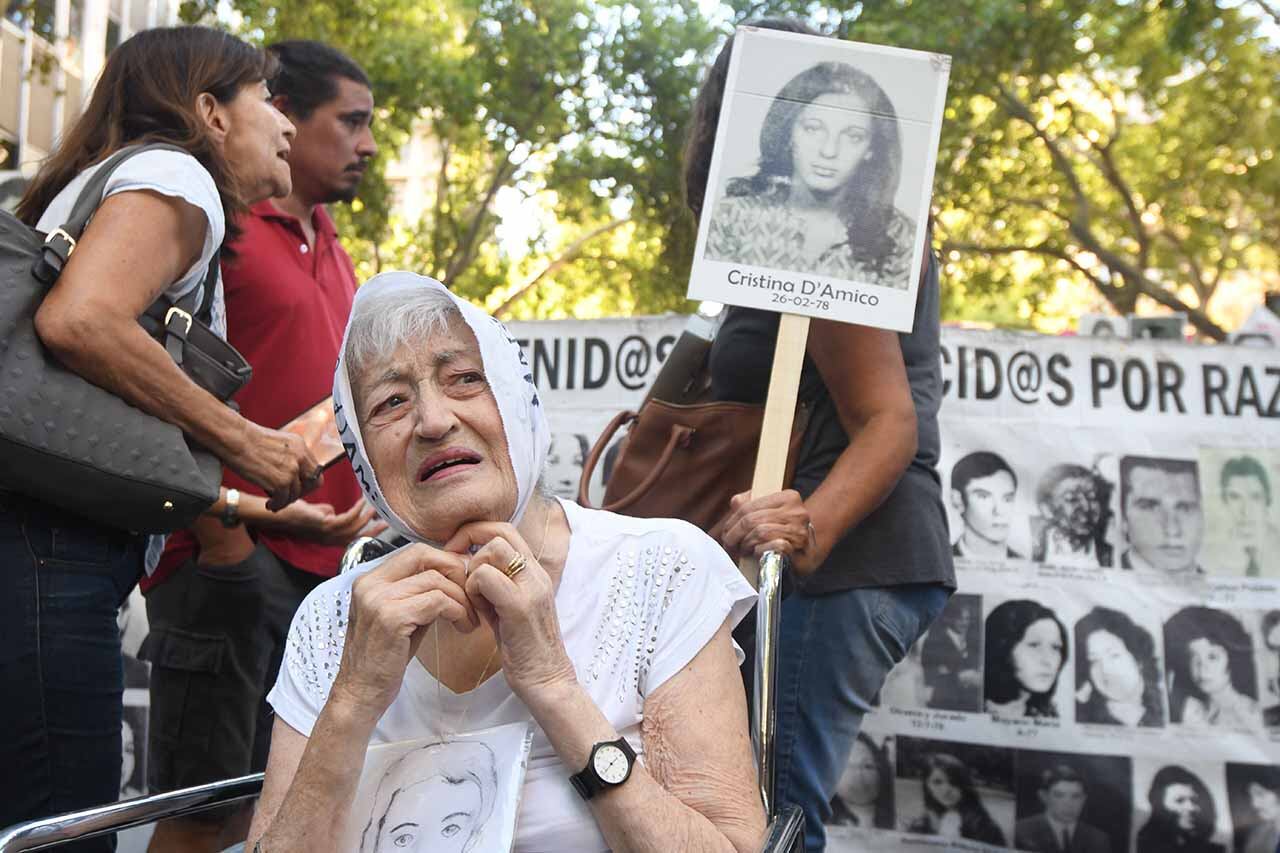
[611, 764]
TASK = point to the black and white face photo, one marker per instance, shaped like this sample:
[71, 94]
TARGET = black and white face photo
[983, 495]
[1161, 514]
[951, 656]
[1180, 805]
[955, 790]
[1119, 669]
[1026, 649]
[1211, 668]
[1241, 511]
[1253, 795]
[820, 182]
[1073, 803]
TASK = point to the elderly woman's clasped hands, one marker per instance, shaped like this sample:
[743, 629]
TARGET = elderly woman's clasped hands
[394, 605]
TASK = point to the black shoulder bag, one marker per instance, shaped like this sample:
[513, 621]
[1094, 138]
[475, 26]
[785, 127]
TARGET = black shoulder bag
[74, 445]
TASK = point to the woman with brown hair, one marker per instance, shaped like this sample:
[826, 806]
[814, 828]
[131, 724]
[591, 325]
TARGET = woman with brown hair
[164, 216]
[863, 522]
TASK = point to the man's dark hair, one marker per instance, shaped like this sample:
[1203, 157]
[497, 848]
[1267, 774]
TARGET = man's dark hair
[308, 72]
[1061, 773]
[1169, 466]
[977, 465]
[1246, 466]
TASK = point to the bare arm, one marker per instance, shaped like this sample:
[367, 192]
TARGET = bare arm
[867, 379]
[311, 782]
[865, 374]
[138, 244]
[697, 789]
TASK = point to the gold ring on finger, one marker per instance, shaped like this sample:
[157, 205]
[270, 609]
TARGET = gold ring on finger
[516, 566]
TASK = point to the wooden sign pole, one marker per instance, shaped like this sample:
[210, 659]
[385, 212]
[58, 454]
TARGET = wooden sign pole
[779, 413]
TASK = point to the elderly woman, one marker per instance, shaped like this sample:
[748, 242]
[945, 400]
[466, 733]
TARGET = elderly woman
[612, 634]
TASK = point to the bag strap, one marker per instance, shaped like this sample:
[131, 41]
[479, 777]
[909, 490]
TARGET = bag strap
[597, 450]
[680, 436]
[175, 316]
[61, 242]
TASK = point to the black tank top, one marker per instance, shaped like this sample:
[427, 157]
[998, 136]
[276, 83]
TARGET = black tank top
[904, 540]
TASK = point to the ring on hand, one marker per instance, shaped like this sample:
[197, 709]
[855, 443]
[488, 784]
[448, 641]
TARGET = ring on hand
[516, 566]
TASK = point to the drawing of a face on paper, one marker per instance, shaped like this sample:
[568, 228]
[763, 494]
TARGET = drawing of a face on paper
[453, 796]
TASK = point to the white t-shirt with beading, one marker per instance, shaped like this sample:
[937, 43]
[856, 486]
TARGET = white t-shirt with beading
[639, 598]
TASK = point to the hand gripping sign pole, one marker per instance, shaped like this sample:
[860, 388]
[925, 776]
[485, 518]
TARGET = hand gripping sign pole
[779, 414]
[816, 205]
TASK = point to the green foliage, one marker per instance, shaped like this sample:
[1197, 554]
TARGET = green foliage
[1129, 145]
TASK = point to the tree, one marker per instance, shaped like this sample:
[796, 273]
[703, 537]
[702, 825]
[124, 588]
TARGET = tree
[1128, 144]
[565, 115]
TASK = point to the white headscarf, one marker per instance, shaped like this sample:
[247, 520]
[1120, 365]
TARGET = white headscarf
[509, 377]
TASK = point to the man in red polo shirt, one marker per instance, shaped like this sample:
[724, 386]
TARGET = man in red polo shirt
[223, 595]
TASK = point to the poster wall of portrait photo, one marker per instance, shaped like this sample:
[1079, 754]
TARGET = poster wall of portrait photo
[819, 186]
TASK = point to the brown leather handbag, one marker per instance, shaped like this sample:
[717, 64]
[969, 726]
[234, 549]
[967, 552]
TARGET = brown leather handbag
[684, 460]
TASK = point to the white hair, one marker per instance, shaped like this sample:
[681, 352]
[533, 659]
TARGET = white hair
[384, 322]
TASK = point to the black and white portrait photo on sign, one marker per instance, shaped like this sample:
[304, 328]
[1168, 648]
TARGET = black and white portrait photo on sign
[984, 488]
[956, 790]
[1161, 516]
[1241, 511]
[1179, 805]
[1253, 792]
[1026, 647]
[1211, 669]
[454, 795]
[1119, 675]
[864, 793]
[1269, 654]
[1070, 803]
[951, 656]
[819, 186]
[1073, 518]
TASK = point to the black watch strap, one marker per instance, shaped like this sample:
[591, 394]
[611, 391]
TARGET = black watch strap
[589, 782]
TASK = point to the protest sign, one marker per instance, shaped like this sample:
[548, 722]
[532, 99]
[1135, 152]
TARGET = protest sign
[819, 186]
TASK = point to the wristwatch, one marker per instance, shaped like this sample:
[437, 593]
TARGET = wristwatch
[608, 767]
[231, 509]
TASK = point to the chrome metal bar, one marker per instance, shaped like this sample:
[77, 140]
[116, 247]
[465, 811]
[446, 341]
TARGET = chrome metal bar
[786, 832]
[52, 831]
[763, 710]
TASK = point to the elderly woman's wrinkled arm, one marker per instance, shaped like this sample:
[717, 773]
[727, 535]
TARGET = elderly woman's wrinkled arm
[697, 789]
[311, 782]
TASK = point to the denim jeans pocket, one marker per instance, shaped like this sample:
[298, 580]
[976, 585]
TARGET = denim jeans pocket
[903, 613]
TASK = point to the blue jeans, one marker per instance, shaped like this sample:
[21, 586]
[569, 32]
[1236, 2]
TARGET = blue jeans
[62, 580]
[834, 653]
